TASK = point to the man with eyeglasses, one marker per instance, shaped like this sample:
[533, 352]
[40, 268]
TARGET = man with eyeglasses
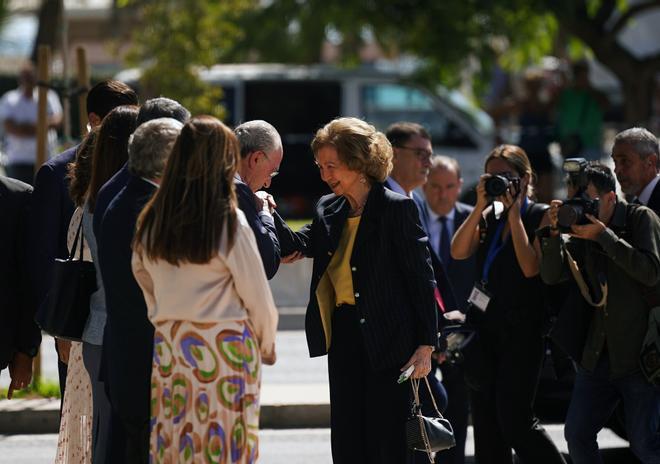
[261, 156]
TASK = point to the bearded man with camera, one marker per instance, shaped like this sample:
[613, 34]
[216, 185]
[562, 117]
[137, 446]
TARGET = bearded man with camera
[612, 251]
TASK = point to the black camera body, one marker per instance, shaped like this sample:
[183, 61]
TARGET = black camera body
[498, 184]
[574, 212]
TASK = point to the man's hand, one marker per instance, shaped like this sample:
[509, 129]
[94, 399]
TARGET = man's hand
[63, 347]
[20, 371]
[588, 231]
[292, 258]
[265, 200]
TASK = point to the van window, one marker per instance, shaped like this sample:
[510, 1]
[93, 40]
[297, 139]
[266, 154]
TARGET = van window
[384, 104]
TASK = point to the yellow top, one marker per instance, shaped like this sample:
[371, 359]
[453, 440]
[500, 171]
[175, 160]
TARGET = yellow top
[339, 269]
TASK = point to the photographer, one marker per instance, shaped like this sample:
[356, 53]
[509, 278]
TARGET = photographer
[503, 363]
[619, 253]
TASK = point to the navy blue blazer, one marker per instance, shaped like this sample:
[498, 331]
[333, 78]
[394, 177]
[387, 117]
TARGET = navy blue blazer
[18, 331]
[263, 227]
[106, 194]
[128, 337]
[392, 275]
[462, 273]
[50, 215]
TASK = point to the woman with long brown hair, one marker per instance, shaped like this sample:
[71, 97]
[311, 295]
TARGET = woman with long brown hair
[110, 154]
[197, 262]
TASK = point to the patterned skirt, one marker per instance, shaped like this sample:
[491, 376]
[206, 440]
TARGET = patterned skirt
[205, 393]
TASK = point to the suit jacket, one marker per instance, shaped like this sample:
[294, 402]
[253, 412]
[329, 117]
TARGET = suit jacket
[462, 273]
[439, 271]
[128, 337]
[392, 275]
[263, 226]
[50, 215]
[107, 193]
[654, 201]
[18, 331]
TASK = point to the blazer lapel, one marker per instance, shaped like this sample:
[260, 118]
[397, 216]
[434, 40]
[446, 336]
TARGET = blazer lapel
[370, 216]
[334, 217]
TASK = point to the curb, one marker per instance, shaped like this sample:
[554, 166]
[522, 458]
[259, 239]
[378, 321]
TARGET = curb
[42, 416]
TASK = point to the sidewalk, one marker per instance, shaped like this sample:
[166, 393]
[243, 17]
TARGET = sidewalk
[282, 407]
[294, 392]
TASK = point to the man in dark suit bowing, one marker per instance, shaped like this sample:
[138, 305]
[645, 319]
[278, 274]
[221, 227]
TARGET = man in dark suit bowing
[441, 217]
[635, 154]
[52, 207]
[19, 335]
[261, 156]
[128, 337]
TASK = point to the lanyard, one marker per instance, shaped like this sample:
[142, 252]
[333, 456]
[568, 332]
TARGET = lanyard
[495, 246]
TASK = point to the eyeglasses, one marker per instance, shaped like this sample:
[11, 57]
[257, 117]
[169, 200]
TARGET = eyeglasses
[277, 169]
[420, 153]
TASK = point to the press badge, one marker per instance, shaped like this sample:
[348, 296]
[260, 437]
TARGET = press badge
[479, 297]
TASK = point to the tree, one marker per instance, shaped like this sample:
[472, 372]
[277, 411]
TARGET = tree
[178, 37]
[450, 35]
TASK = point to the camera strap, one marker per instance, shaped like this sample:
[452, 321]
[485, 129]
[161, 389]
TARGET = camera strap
[584, 288]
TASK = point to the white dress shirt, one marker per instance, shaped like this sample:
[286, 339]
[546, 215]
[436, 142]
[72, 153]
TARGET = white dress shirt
[645, 196]
[397, 188]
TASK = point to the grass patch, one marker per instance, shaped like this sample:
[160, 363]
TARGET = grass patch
[41, 389]
[297, 224]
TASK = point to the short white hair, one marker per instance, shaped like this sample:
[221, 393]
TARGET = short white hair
[257, 135]
[150, 146]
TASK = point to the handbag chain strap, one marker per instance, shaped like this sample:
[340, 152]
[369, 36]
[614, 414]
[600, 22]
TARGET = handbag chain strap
[415, 388]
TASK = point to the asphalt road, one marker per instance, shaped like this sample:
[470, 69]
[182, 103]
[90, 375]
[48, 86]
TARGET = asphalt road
[301, 446]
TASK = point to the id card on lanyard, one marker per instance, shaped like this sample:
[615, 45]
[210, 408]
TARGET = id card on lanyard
[480, 297]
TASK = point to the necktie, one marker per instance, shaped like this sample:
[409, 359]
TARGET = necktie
[445, 241]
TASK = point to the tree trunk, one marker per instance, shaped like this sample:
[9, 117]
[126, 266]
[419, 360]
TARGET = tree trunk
[638, 94]
[50, 16]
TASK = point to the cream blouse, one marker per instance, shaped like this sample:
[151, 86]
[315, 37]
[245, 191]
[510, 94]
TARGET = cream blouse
[232, 286]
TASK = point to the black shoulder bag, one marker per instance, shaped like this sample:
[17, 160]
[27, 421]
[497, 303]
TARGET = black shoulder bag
[66, 309]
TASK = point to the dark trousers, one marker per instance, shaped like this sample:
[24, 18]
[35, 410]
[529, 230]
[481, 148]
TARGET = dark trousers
[102, 413]
[594, 399]
[22, 172]
[129, 440]
[502, 412]
[368, 408]
[456, 413]
[61, 375]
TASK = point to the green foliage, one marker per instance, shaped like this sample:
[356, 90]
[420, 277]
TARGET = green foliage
[177, 38]
[41, 389]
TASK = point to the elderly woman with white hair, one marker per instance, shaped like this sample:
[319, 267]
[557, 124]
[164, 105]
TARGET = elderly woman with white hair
[128, 341]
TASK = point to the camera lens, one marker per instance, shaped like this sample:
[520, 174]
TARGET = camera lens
[496, 185]
[569, 215]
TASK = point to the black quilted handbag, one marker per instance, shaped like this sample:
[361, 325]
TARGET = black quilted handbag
[430, 434]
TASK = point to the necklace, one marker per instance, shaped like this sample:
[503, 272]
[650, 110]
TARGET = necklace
[357, 210]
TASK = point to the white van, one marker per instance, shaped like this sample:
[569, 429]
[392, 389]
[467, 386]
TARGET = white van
[298, 100]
